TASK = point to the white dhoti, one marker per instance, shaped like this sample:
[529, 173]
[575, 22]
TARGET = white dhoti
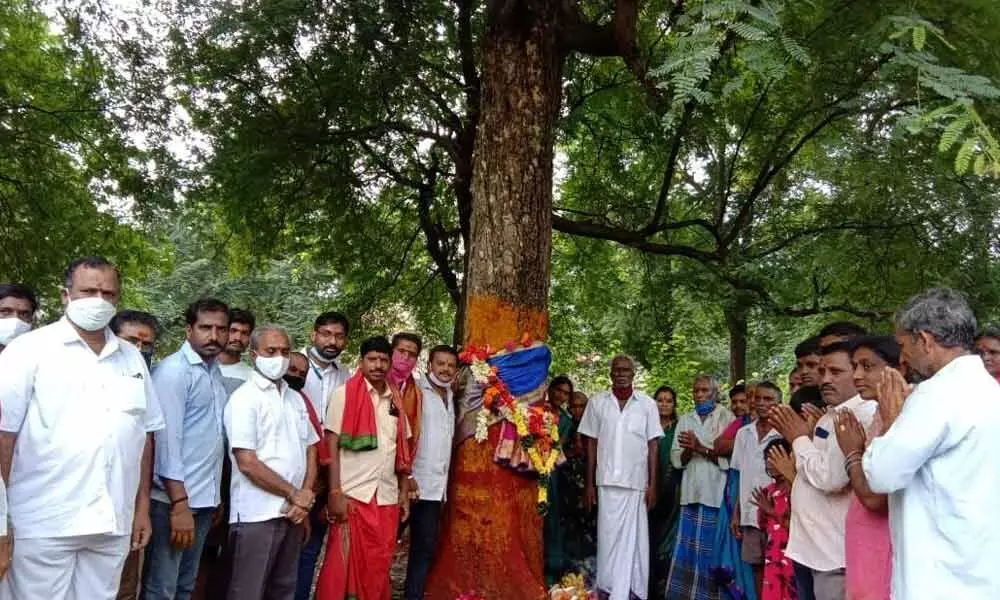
[622, 542]
[86, 567]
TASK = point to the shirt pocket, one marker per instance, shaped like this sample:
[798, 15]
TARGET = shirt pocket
[304, 426]
[635, 424]
[127, 394]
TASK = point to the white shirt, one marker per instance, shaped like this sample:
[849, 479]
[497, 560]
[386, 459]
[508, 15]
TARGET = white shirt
[703, 481]
[821, 493]
[81, 421]
[938, 462]
[273, 422]
[748, 458]
[623, 437]
[437, 429]
[323, 381]
[238, 370]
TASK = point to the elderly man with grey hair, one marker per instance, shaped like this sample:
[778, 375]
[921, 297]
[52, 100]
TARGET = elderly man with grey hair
[702, 488]
[271, 447]
[935, 459]
[622, 426]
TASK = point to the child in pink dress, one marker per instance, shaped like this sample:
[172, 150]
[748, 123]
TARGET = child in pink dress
[775, 510]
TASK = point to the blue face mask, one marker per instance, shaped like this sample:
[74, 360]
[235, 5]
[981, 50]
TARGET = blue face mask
[705, 408]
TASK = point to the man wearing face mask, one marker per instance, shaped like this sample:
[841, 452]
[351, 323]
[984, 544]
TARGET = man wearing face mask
[18, 306]
[80, 408]
[329, 338]
[139, 329]
[406, 349]
[189, 453]
[272, 448]
[431, 464]
[323, 375]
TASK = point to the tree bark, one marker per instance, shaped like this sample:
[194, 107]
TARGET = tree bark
[736, 322]
[492, 536]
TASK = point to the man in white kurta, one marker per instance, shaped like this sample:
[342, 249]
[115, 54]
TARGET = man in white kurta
[625, 425]
[937, 459]
[78, 408]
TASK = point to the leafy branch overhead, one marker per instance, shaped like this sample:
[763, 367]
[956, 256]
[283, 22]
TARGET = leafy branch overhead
[773, 156]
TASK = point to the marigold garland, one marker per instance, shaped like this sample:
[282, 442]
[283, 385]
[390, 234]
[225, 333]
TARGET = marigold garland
[537, 429]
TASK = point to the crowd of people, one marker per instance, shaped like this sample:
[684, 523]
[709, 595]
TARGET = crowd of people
[237, 467]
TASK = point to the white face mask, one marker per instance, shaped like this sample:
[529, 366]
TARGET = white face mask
[10, 328]
[272, 367]
[91, 313]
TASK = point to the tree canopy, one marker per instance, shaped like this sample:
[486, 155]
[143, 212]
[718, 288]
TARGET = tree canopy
[728, 173]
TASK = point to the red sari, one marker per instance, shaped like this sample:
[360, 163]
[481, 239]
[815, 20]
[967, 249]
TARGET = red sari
[491, 534]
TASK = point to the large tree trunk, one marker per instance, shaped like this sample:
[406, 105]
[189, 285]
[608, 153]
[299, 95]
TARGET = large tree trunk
[736, 323]
[492, 536]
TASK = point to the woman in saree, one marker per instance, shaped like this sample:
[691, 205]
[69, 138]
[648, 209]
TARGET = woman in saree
[734, 576]
[553, 536]
[663, 517]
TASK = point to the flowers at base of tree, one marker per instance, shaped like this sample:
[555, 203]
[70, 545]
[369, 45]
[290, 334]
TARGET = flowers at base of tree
[572, 587]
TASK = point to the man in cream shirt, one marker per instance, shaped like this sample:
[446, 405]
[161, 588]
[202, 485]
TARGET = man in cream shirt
[76, 441]
[821, 493]
[936, 457]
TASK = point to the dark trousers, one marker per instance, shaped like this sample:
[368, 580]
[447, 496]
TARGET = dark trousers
[425, 526]
[311, 551]
[804, 581]
[265, 560]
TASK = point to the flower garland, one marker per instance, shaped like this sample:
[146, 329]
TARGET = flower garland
[537, 429]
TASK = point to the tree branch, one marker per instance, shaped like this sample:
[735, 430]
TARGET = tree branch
[637, 240]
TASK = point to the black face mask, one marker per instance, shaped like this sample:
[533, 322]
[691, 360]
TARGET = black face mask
[294, 382]
[148, 355]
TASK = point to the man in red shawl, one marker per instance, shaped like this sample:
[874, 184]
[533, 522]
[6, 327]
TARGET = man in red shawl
[368, 436]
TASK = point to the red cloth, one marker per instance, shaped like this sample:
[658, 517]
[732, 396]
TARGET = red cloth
[359, 554]
[358, 430]
[622, 394]
[322, 450]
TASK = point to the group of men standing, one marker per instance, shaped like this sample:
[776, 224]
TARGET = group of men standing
[924, 471]
[119, 473]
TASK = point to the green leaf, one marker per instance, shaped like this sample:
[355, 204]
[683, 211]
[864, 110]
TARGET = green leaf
[964, 156]
[919, 37]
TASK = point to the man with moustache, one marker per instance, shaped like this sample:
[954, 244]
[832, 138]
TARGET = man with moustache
[241, 324]
[820, 493]
[988, 349]
[189, 453]
[369, 471]
[431, 464]
[76, 445]
[324, 375]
